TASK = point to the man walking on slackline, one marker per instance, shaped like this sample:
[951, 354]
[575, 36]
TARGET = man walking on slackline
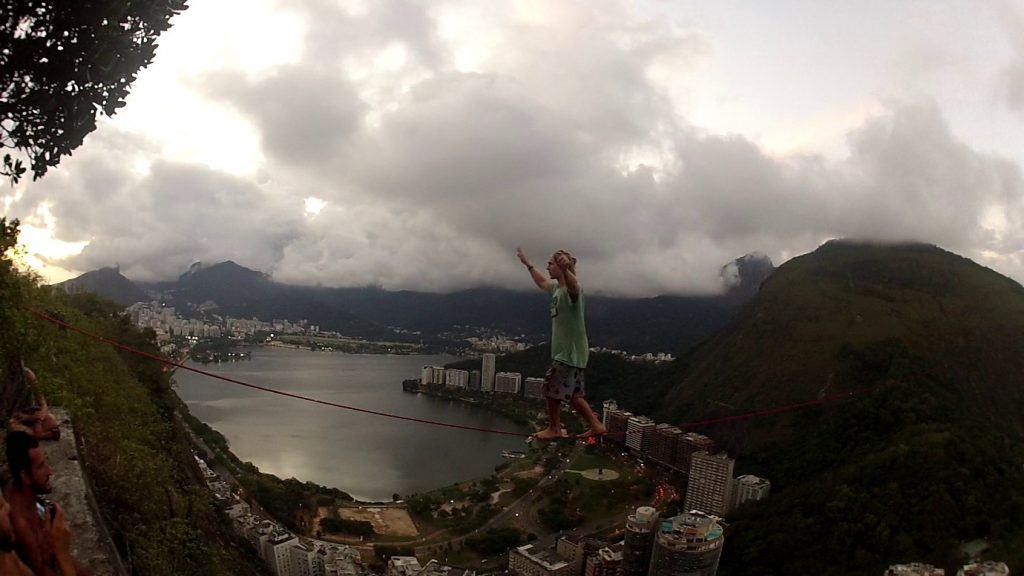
[569, 347]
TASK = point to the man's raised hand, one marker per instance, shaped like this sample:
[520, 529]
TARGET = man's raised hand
[522, 256]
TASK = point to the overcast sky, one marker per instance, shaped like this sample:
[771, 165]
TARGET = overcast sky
[414, 145]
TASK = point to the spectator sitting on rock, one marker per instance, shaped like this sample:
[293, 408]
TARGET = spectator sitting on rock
[36, 420]
[42, 538]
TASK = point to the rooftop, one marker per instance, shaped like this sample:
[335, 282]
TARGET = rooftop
[691, 527]
[546, 557]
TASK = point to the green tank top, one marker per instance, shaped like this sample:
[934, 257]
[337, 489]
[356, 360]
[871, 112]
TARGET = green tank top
[568, 331]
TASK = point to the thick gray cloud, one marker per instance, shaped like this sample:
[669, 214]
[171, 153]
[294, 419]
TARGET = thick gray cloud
[1011, 86]
[155, 223]
[303, 116]
[564, 137]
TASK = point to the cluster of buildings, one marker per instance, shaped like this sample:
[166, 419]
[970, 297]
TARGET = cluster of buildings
[690, 543]
[484, 380]
[285, 553]
[488, 380]
[974, 569]
[711, 486]
[648, 357]
[480, 380]
[498, 344]
[711, 489]
[166, 323]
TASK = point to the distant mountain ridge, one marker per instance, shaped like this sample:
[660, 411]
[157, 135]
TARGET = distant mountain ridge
[109, 283]
[663, 323]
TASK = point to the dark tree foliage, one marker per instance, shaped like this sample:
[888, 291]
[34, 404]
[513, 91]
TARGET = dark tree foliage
[384, 551]
[13, 391]
[63, 62]
[495, 541]
[342, 525]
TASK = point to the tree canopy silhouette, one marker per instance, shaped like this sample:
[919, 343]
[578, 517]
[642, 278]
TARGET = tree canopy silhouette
[62, 63]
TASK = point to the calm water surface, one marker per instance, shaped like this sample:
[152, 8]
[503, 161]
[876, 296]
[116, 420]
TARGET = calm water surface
[367, 456]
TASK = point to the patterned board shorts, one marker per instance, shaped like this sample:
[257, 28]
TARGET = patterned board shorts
[562, 382]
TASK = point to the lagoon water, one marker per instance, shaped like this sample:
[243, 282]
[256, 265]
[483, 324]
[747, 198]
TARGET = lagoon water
[368, 456]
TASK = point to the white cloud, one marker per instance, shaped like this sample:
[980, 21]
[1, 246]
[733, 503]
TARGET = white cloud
[415, 145]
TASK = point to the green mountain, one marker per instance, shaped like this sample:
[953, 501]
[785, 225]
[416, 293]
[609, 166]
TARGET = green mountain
[917, 358]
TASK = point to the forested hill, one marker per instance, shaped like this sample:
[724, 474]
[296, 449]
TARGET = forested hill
[927, 452]
[803, 333]
[134, 449]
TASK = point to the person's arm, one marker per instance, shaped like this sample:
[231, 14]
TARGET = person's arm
[60, 537]
[538, 278]
[572, 285]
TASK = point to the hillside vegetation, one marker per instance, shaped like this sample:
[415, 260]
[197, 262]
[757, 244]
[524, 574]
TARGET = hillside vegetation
[926, 453]
[134, 451]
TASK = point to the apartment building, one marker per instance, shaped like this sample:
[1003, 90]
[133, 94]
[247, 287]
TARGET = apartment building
[533, 387]
[710, 484]
[508, 382]
[688, 545]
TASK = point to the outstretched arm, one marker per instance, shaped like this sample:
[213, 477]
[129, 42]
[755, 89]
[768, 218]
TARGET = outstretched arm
[538, 278]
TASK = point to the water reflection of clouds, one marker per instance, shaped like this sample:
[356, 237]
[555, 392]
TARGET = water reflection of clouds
[363, 475]
[365, 455]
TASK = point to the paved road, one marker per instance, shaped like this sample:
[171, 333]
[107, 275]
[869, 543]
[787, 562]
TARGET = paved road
[523, 509]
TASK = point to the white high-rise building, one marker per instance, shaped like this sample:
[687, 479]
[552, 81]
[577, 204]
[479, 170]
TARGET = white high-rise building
[688, 545]
[455, 378]
[533, 387]
[432, 375]
[639, 430]
[710, 486]
[302, 559]
[609, 407]
[277, 552]
[637, 541]
[487, 373]
[507, 382]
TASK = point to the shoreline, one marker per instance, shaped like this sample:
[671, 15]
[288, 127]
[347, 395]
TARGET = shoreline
[441, 391]
[510, 421]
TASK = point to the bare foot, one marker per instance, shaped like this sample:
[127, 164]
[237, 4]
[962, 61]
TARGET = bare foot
[598, 431]
[549, 434]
